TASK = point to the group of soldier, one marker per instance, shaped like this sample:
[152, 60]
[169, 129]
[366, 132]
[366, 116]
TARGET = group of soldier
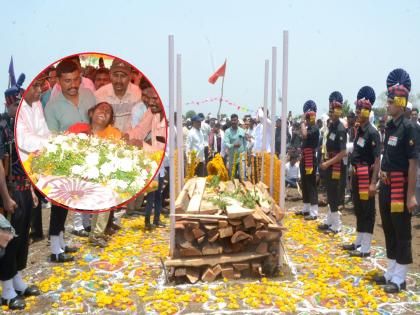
[396, 172]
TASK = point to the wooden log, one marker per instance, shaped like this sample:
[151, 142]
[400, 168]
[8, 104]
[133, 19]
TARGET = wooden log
[201, 239]
[198, 233]
[276, 227]
[188, 235]
[235, 222]
[207, 207]
[239, 236]
[179, 225]
[200, 216]
[213, 236]
[273, 236]
[227, 272]
[189, 252]
[262, 248]
[259, 225]
[180, 272]
[217, 270]
[186, 244]
[249, 222]
[210, 227]
[213, 260]
[210, 249]
[193, 274]
[236, 274]
[241, 266]
[261, 234]
[223, 223]
[208, 275]
[182, 201]
[195, 201]
[235, 210]
[225, 232]
[191, 187]
[256, 269]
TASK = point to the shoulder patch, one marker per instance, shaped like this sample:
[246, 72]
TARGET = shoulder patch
[411, 142]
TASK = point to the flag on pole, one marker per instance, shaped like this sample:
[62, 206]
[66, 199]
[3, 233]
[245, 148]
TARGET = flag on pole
[12, 79]
[219, 73]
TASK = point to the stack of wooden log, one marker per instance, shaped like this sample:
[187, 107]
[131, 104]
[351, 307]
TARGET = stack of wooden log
[217, 235]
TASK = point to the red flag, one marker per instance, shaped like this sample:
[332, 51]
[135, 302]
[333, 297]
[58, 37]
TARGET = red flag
[219, 73]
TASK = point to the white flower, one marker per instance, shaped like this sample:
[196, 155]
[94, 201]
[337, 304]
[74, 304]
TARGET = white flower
[77, 169]
[107, 168]
[59, 139]
[125, 165]
[92, 158]
[51, 148]
[66, 147]
[117, 183]
[92, 173]
[94, 141]
[82, 136]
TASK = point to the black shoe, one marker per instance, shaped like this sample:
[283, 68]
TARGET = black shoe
[159, 224]
[149, 226]
[392, 287]
[350, 246]
[356, 253]
[80, 233]
[331, 231]
[311, 217]
[69, 250]
[61, 258]
[88, 229]
[17, 303]
[379, 280]
[30, 291]
[302, 213]
[323, 227]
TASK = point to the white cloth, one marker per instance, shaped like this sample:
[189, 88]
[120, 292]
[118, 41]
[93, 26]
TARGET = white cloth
[86, 83]
[8, 291]
[313, 210]
[222, 145]
[292, 171]
[31, 129]
[258, 144]
[366, 243]
[400, 273]
[18, 282]
[359, 238]
[205, 128]
[336, 221]
[195, 141]
[55, 245]
[122, 106]
[390, 269]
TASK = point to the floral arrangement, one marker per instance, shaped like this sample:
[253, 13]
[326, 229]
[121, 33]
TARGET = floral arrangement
[123, 168]
[216, 167]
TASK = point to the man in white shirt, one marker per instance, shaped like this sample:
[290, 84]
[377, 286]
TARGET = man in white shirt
[195, 142]
[206, 129]
[122, 95]
[258, 143]
[292, 172]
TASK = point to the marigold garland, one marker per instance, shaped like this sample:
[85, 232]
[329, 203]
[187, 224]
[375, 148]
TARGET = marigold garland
[253, 175]
[192, 164]
[241, 168]
[216, 167]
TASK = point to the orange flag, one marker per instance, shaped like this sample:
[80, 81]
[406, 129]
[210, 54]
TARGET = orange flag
[219, 73]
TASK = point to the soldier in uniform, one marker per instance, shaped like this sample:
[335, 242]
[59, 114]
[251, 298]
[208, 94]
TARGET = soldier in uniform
[398, 181]
[333, 164]
[365, 161]
[310, 137]
[18, 204]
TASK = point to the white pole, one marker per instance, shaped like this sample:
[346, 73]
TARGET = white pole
[273, 116]
[171, 145]
[283, 115]
[180, 144]
[264, 137]
[283, 133]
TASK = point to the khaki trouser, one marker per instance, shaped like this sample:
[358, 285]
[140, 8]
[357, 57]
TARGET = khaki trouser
[135, 204]
[99, 223]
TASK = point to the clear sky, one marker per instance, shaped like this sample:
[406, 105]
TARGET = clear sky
[334, 45]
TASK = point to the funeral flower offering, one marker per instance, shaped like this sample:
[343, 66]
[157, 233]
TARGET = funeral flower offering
[91, 173]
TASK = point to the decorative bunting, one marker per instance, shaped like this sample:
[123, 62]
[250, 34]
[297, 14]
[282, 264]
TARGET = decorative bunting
[217, 99]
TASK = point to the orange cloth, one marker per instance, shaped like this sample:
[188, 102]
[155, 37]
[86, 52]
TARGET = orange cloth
[150, 123]
[109, 133]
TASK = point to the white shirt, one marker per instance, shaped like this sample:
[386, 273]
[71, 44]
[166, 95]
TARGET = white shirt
[205, 128]
[222, 145]
[31, 129]
[292, 172]
[258, 145]
[195, 141]
[122, 106]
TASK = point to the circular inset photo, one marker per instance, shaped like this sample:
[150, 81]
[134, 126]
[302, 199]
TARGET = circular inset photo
[91, 132]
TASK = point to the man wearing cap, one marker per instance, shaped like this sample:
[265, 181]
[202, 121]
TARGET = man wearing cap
[122, 95]
[310, 140]
[335, 152]
[365, 161]
[234, 141]
[398, 181]
[18, 206]
[195, 142]
[68, 107]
